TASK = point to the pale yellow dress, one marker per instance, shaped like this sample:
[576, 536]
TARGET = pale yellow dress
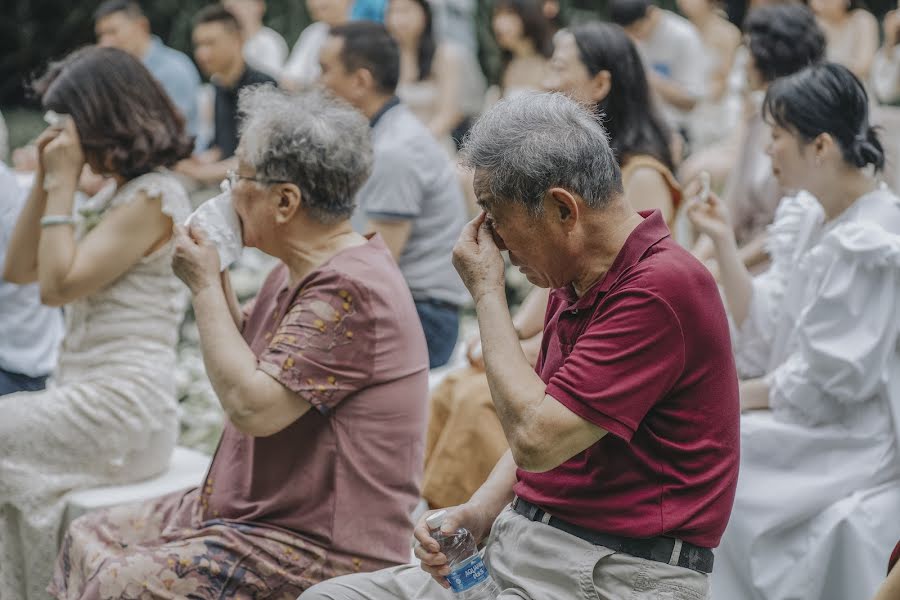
[109, 414]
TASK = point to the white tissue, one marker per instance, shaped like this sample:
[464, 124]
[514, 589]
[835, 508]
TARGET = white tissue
[218, 219]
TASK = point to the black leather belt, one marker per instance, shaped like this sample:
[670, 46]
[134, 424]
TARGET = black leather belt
[661, 549]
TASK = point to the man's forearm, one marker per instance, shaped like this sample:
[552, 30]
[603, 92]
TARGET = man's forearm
[515, 388]
[496, 492]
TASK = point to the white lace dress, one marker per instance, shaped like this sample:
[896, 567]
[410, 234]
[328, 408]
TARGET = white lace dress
[109, 414]
[816, 510]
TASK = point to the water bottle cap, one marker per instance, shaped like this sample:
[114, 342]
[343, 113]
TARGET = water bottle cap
[436, 520]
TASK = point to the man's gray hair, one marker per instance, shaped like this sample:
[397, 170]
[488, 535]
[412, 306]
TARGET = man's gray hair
[310, 139]
[532, 142]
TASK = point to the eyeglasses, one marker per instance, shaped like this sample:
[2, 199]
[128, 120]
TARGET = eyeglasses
[232, 177]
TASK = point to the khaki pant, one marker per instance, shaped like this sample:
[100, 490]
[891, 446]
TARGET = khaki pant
[533, 561]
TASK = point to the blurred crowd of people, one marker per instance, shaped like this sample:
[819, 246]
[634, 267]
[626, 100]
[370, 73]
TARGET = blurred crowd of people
[700, 391]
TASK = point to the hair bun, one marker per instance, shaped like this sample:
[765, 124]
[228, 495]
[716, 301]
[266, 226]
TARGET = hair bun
[867, 149]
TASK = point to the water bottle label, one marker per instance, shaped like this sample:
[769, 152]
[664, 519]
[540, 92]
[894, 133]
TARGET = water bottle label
[468, 575]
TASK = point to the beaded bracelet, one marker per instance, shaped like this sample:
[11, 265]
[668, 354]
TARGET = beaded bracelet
[51, 220]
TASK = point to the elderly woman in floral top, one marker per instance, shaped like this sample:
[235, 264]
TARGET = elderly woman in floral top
[323, 380]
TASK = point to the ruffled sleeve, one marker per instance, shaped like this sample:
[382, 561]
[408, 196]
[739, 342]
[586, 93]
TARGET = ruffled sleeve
[796, 220]
[162, 185]
[848, 333]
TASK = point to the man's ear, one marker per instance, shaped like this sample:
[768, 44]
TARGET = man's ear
[563, 207]
[288, 199]
[364, 82]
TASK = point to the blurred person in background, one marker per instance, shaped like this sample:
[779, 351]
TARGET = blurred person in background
[32, 331]
[433, 74]
[413, 198]
[718, 111]
[677, 65]
[851, 33]
[781, 40]
[302, 66]
[122, 24]
[525, 37]
[218, 48]
[886, 67]
[110, 416]
[264, 48]
[368, 10]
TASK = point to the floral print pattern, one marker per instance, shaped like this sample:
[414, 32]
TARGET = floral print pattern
[161, 550]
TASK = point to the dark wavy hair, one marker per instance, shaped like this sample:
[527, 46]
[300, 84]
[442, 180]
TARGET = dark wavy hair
[127, 124]
[536, 27]
[783, 39]
[827, 98]
[628, 111]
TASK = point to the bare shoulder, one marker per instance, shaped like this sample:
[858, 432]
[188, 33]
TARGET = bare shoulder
[864, 20]
[725, 35]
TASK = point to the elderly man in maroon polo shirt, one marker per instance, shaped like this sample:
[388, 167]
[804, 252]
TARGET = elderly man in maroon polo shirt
[624, 440]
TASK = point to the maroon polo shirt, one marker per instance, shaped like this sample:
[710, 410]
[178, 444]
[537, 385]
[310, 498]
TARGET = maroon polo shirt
[644, 354]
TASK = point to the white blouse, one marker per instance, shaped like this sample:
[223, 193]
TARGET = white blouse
[823, 322]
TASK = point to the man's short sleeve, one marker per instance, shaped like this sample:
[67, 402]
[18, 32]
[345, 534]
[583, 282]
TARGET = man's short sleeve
[394, 190]
[623, 364]
[324, 347]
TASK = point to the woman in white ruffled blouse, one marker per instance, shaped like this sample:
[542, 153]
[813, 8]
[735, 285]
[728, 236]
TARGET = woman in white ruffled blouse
[109, 414]
[816, 341]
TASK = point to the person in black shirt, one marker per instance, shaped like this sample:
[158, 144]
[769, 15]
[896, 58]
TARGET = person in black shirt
[218, 50]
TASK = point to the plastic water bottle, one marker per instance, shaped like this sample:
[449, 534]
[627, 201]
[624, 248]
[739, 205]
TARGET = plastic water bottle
[469, 578]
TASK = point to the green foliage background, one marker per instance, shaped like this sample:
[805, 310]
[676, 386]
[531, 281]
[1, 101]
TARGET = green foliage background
[33, 32]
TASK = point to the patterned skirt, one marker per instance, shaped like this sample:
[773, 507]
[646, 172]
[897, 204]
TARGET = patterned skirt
[161, 550]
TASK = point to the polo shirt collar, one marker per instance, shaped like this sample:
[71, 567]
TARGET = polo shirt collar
[153, 50]
[394, 101]
[650, 231]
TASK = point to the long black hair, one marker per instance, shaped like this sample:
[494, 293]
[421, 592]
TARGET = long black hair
[827, 98]
[427, 45]
[630, 116]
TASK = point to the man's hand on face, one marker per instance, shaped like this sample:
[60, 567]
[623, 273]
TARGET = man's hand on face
[478, 260]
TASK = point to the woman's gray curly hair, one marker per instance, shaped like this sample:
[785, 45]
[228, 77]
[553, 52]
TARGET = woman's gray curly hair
[310, 139]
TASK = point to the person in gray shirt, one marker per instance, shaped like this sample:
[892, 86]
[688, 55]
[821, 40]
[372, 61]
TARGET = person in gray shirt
[413, 197]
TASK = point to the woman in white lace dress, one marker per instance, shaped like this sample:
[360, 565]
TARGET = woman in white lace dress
[816, 339]
[109, 414]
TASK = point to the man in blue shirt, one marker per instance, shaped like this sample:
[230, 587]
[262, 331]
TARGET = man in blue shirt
[121, 24]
